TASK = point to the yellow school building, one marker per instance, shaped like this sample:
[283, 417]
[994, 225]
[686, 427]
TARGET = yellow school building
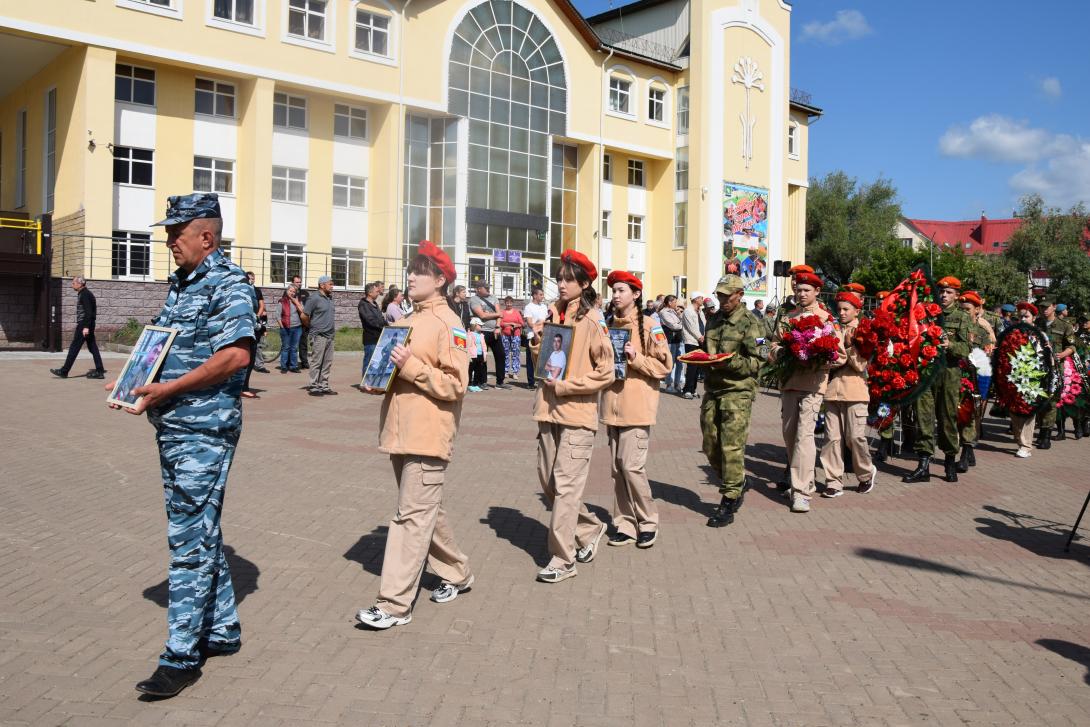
[662, 137]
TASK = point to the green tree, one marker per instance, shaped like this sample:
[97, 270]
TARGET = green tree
[887, 266]
[1054, 241]
[846, 222]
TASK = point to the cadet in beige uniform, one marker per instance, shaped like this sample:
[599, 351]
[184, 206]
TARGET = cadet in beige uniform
[800, 401]
[629, 409]
[846, 400]
[418, 422]
[566, 411]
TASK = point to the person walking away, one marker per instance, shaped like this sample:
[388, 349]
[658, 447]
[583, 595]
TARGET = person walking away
[419, 421]
[566, 412]
[729, 390]
[846, 400]
[485, 307]
[372, 321]
[291, 329]
[692, 336]
[511, 325]
[672, 327]
[86, 312]
[629, 409]
[196, 410]
[534, 312]
[478, 369]
[303, 295]
[317, 316]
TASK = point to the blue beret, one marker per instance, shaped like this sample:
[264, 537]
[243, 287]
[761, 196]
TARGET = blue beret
[1008, 308]
[1061, 307]
[188, 207]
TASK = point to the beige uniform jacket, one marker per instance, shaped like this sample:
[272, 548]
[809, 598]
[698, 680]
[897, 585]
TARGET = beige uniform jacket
[420, 412]
[848, 380]
[812, 380]
[634, 400]
[573, 401]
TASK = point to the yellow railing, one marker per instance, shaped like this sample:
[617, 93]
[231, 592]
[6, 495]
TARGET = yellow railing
[16, 223]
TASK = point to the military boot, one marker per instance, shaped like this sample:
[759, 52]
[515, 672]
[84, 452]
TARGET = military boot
[881, 454]
[972, 455]
[922, 473]
[963, 463]
[723, 515]
[1060, 426]
[1044, 439]
[951, 466]
[1086, 427]
[1076, 426]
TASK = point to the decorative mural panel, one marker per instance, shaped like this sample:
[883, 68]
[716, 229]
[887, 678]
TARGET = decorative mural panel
[745, 235]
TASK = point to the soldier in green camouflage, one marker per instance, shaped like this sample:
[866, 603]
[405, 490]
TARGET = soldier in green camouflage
[729, 390]
[937, 408]
[1061, 335]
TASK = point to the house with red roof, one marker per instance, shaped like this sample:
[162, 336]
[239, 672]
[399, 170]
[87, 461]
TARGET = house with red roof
[974, 237]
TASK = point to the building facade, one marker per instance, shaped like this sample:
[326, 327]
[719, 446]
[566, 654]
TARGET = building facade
[662, 138]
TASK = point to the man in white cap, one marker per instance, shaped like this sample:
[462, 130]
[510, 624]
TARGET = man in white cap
[318, 315]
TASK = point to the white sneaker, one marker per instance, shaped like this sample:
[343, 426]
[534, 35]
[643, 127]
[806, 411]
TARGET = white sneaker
[1023, 452]
[447, 591]
[555, 575]
[378, 619]
[587, 552]
[800, 503]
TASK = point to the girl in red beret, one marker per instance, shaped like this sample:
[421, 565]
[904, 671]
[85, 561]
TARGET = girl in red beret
[419, 419]
[566, 411]
[629, 410]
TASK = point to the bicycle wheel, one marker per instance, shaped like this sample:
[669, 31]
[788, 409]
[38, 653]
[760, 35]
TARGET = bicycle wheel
[269, 348]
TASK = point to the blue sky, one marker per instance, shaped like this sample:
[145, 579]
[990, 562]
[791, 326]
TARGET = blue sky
[964, 105]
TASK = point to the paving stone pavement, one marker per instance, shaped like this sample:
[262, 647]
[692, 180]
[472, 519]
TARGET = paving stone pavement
[926, 604]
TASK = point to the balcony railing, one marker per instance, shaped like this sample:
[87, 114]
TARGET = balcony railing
[801, 97]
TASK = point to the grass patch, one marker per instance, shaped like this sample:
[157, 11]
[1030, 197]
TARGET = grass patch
[345, 339]
[128, 333]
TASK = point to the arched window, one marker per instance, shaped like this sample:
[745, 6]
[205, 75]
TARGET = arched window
[506, 75]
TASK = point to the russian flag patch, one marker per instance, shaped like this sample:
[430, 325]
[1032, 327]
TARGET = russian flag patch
[458, 336]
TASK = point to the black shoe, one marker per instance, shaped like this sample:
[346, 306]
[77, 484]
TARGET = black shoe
[1086, 428]
[261, 369]
[881, 454]
[59, 373]
[94, 374]
[168, 681]
[620, 539]
[922, 473]
[962, 465]
[646, 540]
[503, 386]
[972, 455]
[723, 515]
[1044, 439]
[210, 650]
[304, 366]
[294, 371]
[329, 392]
[1077, 428]
[316, 392]
[950, 464]
[281, 369]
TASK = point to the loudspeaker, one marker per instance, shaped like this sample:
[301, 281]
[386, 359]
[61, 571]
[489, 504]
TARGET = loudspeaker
[777, 269]
[786, 268]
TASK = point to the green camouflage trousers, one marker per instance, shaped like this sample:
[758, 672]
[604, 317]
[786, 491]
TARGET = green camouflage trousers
[947, 390]
[925, 424]
[724, 422]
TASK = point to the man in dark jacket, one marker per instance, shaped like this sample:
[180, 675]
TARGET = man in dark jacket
[372, 319]
[86, 309]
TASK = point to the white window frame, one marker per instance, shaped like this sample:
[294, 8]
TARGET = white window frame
[21, 155]
[392, 34]
[132, 82]
[681, 286]
[128, 243]
[349, 255]
[290, 176]
[216, 93]
[607, 224]
[620, 75]
[291, 250]
[257, 28]
[349, 184]
[682, 244]
[794, 140]
[49, 155]
[173, 10]
[684, 107]
[657, 83]
[636, 166]
[131, 183]
[327, 43]
[351, 113]
[217, 168]
[288, 98]
[635, 228]
[607, 167]
[681, 166]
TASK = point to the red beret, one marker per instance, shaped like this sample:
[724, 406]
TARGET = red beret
[856, 288]
[577, 258]
[808, 279]
[849, 297]
[972, 297]
[882, 294]
[1028, 306]
[950, 282]
[621, 276]
[796, 269]
[432, 251]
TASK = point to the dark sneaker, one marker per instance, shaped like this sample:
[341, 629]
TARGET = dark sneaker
[447, 591]
[555, 575]
[294, 370]
[96, 374]
[620, 539]
[503, 386]
[59, 373]
[316, 392]
[646, 540]
[168, 681]
[212, 649]
[865, 487]
[378, 619]
[587, 552]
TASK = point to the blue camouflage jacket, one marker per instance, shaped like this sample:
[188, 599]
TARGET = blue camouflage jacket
[211, 307]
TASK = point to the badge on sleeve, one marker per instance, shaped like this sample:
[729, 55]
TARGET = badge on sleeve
[459, 339]
[658, 335]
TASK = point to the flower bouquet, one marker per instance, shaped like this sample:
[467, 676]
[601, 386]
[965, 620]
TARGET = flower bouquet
[806, 343]
[966, 392]
[1071, 395]
[1022, 372]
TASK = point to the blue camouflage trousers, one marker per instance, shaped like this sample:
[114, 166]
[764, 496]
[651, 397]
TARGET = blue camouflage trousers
[201, 597]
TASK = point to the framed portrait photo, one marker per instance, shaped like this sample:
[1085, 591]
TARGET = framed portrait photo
[552, 359]
[143, 365]
[619, 337]
[380, 369]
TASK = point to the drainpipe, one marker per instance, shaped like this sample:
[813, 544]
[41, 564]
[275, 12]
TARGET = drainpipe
[399, 173]
[601, 154]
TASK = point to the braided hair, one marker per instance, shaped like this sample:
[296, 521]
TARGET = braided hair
[611, 313]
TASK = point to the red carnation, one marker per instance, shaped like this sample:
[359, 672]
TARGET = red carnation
[930, 351]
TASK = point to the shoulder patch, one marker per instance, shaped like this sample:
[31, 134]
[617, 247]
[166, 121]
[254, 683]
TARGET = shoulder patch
[459, 338]
[603, 326]
[658, 335]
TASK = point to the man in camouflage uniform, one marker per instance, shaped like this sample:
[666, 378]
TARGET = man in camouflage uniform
[195, 408]
[937, 408]
[1061, 335]
[729, 390]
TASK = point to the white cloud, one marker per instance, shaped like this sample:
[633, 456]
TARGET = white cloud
[847, 25]
[1055, 166]
[1051, 87]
